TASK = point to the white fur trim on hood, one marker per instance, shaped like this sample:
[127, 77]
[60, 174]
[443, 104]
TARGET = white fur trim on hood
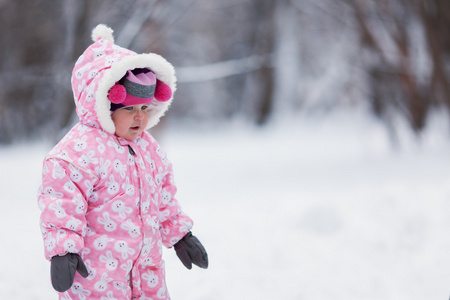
[163, 70]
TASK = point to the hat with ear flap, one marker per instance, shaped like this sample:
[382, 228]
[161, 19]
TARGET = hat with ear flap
[127, 78]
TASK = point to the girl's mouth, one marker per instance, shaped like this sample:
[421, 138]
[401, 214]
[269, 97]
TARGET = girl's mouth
[135, 128]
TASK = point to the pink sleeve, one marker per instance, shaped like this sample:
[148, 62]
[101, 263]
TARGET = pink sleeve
[62, 200]
[174, 223]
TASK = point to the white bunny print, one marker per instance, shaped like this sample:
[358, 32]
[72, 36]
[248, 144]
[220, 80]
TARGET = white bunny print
[59, 210]
[73, 224]
[132, 229]
[102, 169]
[162, 293]
[110, 262]
[75, 174]
[113, 186]
[50, 242]
[166, 197]
[88, 158]
[141, 163]
[50, 191]
[109, 224]
[101, 147]
[89, 231]
[91, 194]
[101, 242]
[109, 296]
[85, 251]
[45, 169]
[119, 207]
[70, 187]
[148, 158]
[65, 155]
[151, 278]
[82, 86]
[111, 59]
[90, 92]
[91, 271]
[152, 164]
[84, 129]
[92, 124]
[147, 261]
[122, 247]
[153, 222]
[159, 178]
[150, 181]
[79, 73]
[164, 214]
[80, 144]
[102, 284]
[162, 154]
[148, 246]
[122, 286]
[127, 266]
[80, 206]
[145, 205]
[130, 160]
[120, 168]
[66, 296]
[58, 171]
[116, 146]
[61, 234]
[92, 73]
[77, 289]
[142, 143]
[69, 245]
[99, 52]
[128, 187]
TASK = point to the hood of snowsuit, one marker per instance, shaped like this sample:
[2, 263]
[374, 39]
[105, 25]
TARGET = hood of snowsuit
[102, 65]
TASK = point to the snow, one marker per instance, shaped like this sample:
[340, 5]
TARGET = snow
[308, 208]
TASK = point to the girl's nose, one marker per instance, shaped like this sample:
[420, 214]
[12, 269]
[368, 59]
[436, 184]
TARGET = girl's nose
[139, 115]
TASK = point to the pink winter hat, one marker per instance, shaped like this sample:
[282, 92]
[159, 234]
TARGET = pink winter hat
[135, 89]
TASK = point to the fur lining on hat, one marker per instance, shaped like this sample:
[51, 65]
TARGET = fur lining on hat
[102, 31]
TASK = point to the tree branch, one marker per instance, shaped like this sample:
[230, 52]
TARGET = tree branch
[223, 69]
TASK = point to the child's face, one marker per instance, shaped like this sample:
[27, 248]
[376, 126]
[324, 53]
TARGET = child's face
[130, 121]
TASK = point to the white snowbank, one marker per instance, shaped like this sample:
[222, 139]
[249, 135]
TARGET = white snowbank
[307, 209]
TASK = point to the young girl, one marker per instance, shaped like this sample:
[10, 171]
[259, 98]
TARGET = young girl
[108, 194]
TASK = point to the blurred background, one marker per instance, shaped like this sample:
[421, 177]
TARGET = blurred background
[251, 59]
[309, 138]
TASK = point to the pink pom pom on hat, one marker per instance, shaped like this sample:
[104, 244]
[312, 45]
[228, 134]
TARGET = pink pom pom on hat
[117, 94]
[138, 89]
[163, 92]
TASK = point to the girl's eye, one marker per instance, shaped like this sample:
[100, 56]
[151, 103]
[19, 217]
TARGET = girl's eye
[130, 108]
[144, 107]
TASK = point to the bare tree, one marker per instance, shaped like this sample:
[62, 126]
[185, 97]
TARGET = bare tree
[234, 58]
[43, 40]
[406, 47]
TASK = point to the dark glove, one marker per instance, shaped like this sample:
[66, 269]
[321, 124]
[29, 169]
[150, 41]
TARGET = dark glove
[190, 251]
[63, 270]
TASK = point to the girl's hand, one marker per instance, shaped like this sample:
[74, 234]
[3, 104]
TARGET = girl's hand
[190, 251]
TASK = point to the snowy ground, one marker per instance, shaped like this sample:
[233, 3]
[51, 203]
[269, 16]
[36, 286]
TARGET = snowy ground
[309, 209]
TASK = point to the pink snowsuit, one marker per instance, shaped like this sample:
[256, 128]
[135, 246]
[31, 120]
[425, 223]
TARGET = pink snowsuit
[108, 199]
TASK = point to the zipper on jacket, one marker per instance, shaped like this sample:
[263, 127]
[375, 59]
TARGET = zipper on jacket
[131, 150]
